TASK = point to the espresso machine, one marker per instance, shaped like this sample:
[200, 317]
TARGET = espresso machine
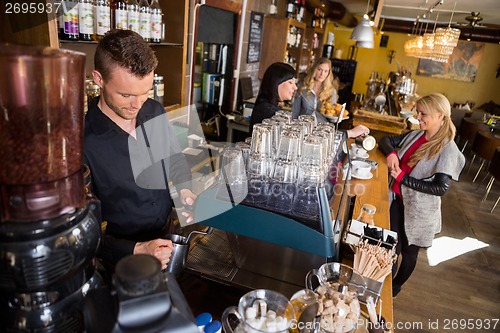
[375, 93]
[49, 225]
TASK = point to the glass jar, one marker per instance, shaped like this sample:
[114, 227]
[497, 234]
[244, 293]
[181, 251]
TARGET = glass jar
[367, 214]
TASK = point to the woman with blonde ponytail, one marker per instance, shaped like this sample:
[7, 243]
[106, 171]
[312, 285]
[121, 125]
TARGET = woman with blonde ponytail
[422, 164]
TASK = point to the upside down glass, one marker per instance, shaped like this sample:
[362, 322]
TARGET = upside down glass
[309, 119]
[261, 140]
[232, 182]
[285, 114]
[259, 169]
[313, 151]
[283, 186]
[306, 200]
[276, 134]
[245, 151]
[289, 146]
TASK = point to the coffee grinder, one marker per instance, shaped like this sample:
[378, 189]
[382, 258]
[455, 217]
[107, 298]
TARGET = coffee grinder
[49, 226]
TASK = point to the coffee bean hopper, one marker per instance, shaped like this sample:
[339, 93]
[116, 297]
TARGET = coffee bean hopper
[49, 226]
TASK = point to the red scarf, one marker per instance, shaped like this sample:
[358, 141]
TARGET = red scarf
[403, 164]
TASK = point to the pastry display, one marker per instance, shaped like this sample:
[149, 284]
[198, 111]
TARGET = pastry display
[333, 110]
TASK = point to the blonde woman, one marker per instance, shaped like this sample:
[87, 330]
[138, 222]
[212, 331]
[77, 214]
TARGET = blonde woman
[319, 87]
[422, 164]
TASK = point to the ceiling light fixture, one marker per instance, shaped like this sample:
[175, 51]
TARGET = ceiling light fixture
[363, 32]
[435, 46]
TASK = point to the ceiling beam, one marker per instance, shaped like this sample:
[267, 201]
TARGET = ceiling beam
[378, 12]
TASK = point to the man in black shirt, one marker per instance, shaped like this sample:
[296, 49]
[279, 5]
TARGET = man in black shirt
[132, 151]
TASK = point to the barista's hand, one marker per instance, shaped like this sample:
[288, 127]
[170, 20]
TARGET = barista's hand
[187, 198]
[159, 248]
[358, 131]
[393, 162]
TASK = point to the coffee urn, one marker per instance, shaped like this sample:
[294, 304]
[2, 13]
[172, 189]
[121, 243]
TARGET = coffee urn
[49, 225]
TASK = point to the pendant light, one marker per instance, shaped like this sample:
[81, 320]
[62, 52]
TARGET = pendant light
[363, 33]
[365, 44]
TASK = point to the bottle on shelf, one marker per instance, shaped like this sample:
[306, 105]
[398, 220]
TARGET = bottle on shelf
[322, 20]
[156, 22]
[292, 36]
[70, 20]
[273, 9]
[86, 20]
[329, 46]
[158, 88]
[299, 10]
[298, 38]
[102, 18]
[133, 15]
[60, 25]
[120, 14]
[290, 9]
[145, 20]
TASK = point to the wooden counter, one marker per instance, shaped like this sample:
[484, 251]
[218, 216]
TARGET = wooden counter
[375, 191]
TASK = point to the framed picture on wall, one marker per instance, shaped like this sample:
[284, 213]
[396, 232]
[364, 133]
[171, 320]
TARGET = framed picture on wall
[461, 66]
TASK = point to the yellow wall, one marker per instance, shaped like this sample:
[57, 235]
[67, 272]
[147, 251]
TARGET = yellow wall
[485, 88]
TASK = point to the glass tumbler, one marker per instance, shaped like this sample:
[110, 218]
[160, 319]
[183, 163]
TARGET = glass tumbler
[259, 169]
[261, 140]
[310, 119]
[289, 146]
[312, 151]
[285, 114]
[232, 182]
[276, 133]
[245, 151]
[325, 138]
[306, 200]
[283, 186]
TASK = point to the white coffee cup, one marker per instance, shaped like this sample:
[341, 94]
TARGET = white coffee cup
[358, 151]
[361, 168]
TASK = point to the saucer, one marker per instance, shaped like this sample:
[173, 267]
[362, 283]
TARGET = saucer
[369, 176]
[365, 155]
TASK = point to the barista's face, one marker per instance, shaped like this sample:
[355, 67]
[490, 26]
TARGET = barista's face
[287, 89]
[124, 93]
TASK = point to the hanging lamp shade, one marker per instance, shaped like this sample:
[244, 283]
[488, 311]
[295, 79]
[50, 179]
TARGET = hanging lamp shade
[363, 31]
[364, 44]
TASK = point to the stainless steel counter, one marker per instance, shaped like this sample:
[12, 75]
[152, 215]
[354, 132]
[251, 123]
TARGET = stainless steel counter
[248, 263]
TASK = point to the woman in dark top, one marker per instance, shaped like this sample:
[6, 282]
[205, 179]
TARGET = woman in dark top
[278, 85]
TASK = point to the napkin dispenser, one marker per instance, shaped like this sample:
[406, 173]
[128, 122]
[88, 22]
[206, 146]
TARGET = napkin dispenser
[355, 231]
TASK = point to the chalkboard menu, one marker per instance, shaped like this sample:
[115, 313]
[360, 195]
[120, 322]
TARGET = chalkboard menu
[255, 37]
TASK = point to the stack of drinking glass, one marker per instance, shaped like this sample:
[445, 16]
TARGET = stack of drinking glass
[286, 162]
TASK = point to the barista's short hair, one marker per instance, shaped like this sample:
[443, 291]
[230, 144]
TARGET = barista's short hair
[127, 49]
